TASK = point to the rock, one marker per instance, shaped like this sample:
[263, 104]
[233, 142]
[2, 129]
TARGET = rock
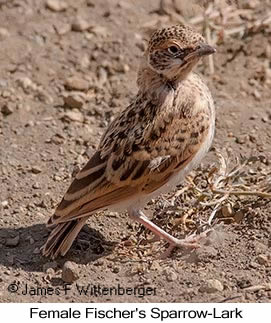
[80, 24]
[116, 270]
[36, 169]
[3, 83]
[62, 28]
[56, 5]
[170, 274]
[99, 30]
[252, 4]
[265, 119]
[124, 68]
[211, 286]
[74, 100]
[25, 82]
[254, 265]
[4, 204]
[124, 4]
[239, 216]
[253, 138]
[257, 94]
[44, 96]
[91, 3]
[4, 33]
[13, 242]
[263, 260]
[36, 185]
[74, 116]
[57, 178]
[70, 272]
[76, 83]
[7, 109]
[240, 140]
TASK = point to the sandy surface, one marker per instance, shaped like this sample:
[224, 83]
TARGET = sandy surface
[49, 57]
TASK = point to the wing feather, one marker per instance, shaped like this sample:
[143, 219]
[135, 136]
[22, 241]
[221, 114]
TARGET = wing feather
[133, 161]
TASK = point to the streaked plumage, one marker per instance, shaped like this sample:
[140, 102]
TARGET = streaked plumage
[150, 146]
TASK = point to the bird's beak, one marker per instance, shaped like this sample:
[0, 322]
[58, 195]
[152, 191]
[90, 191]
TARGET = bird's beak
[205, 49]
[202, 50]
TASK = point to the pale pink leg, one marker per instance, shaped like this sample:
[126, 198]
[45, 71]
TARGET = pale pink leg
[189, 242]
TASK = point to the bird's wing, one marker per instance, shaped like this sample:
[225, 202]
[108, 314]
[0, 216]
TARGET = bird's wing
[135, 157]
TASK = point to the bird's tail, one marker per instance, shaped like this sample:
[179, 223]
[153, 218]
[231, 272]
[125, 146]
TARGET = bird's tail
[62, 237]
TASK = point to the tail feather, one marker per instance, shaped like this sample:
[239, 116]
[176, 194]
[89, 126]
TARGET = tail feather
[62, 237]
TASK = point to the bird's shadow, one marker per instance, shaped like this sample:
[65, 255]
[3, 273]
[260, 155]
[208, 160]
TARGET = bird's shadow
[20, 248]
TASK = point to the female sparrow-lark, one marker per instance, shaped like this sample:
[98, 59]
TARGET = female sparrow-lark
[150, 147]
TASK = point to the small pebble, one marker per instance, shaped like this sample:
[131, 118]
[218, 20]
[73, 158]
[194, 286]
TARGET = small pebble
[99, 30]
[240, 140]
[263, 260]
[74, 116]
[4, 33]
[36, 185]
[74, 100]
[211, 286]
[4, 204]
[7, 109]
[170, 274]
[76, 83]
[62, 28]
[70, 272]
[56, 5]
[254, 264]
[238, 216]
[115, 270]
[257, 94]
[36, 169]
[252, 4]
[25, 82]
[13, 242]
[80, 24]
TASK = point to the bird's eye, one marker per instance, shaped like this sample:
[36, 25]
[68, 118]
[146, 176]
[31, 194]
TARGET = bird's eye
[173, 49]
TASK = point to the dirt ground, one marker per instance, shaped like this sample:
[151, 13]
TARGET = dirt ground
[66, 68]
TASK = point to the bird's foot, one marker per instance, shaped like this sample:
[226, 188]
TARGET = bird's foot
[190, 242]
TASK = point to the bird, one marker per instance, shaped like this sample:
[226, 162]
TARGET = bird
[150, 147]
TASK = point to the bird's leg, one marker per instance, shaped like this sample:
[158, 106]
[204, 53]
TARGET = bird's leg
[189, 242]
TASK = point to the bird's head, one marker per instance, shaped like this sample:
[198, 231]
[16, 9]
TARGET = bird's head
[174, 51]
